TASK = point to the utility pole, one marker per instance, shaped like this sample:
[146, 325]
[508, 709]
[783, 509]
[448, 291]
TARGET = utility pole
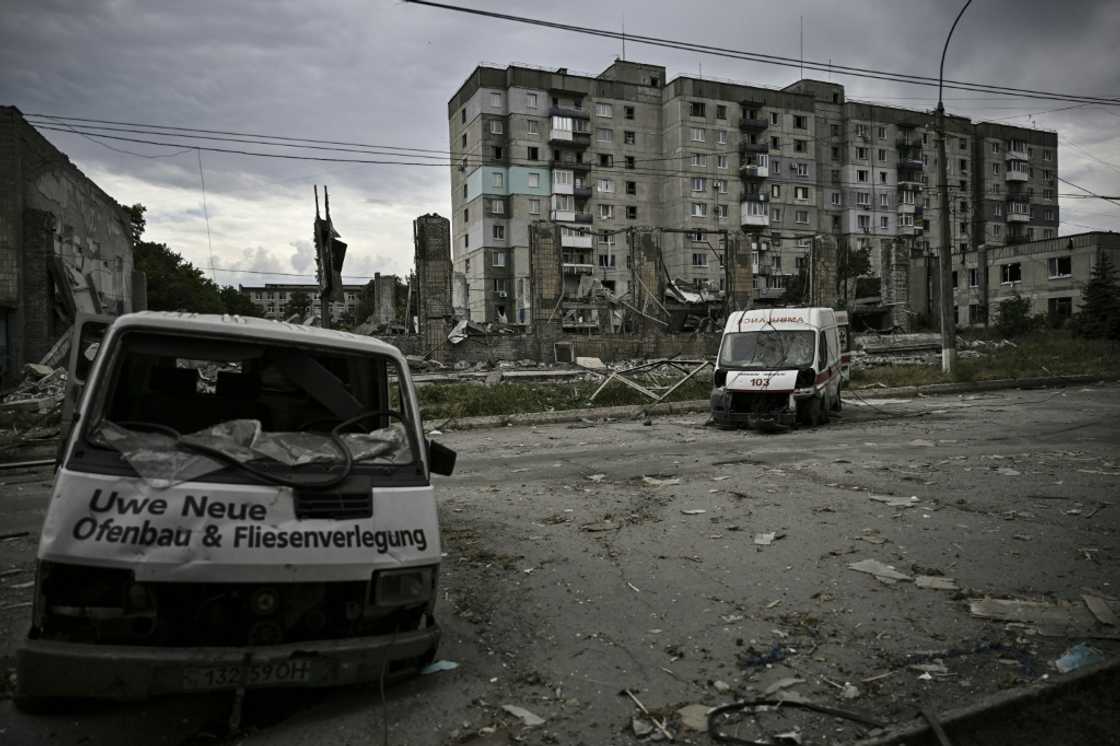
[324, 298]
[945, 255]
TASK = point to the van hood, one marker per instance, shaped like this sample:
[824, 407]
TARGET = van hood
[775, 381]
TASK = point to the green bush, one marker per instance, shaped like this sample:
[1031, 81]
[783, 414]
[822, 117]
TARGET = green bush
[1015, 319]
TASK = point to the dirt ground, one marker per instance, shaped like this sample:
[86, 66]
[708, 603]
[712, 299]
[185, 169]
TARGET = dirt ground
[583, 560]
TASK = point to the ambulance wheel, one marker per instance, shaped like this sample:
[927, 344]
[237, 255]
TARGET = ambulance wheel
[40, 705]
[809, 412]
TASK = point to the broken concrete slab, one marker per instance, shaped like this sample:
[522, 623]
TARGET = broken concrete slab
[878, 569]
[528, 719]
[1100, 609]
[1050, 619]
[936, 583]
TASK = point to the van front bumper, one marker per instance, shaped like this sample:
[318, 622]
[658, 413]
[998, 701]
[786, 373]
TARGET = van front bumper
[46, 668]
[776, 410]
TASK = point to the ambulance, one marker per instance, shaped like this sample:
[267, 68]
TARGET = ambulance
[778, 368]
[239, 503]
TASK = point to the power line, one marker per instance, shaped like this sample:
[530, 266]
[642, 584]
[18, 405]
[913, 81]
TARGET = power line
[1089, 155]
[778, 59]
[1110, 200]
[205, 211]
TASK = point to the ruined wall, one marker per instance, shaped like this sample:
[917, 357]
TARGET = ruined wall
[646, 288]
[824, 272]
[740, 276]
[88, 230]
[432, 237]
[894, 274]
[547, 286]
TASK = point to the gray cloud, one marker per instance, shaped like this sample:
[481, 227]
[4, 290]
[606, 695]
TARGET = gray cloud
[381, 72]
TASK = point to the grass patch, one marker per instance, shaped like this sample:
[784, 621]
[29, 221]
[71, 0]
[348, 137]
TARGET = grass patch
[440, 401]
[1041, 354]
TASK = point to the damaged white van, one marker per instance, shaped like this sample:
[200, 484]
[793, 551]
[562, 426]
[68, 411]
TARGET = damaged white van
[777, 367]
[239, 503]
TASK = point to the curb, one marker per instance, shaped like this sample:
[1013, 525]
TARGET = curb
[696, 406]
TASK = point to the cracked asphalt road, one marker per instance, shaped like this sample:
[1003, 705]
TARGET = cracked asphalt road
[578, 565]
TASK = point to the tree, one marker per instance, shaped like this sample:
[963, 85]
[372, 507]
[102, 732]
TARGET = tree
[797, 290]
[174, 284]
[851, 264]
[1099, 314]
[299, 303]
[1015, 318]
[237, 303]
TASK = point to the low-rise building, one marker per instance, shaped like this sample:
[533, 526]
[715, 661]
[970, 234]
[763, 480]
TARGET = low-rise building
[1050, 273]
[272, 298]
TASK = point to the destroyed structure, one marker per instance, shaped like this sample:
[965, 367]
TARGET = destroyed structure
[64, 247]
[787, 170]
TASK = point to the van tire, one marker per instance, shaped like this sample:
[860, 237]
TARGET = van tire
[29, 705]
[809, 412]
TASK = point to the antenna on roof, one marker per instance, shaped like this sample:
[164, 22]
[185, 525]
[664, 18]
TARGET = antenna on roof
[623, 37]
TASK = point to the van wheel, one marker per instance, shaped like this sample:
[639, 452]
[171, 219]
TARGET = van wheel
[39, 705]
[809, 412]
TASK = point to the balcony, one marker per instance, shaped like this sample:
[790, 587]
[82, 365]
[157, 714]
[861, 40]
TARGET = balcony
[1017, 152]
[582, 217]
[909, 144]
[576, 240]
[755, 220]
[910, 163]
[569, 111]
[910, 185]
[754, 171]
[1018, 212]
[757, 197]
[751, 124]
[559, 138]
[906, 208]
[1010, 175]
[909, 230]
[581, 192]
[754, 147]
[563, 216]
[770, 293]
[572, 268]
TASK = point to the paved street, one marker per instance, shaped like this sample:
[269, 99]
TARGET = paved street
[585, 559]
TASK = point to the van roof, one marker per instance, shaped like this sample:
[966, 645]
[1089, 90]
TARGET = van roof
[780, 318]
[264, 330]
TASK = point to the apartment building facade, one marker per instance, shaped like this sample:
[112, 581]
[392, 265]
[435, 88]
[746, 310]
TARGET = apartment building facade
[694, 157]
[272, 299]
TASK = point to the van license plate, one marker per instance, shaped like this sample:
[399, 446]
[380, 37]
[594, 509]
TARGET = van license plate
[255, 674]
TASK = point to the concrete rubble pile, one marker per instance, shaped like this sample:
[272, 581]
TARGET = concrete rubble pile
[871, 350]
[34, 408]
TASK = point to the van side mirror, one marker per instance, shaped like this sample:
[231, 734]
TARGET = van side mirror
[441, 459]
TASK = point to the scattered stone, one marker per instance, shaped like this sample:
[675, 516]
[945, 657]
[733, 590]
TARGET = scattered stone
[935, 583]
[527, 718]
[879, 570]
[694, 717]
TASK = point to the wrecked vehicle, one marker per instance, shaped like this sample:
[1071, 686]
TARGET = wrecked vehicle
[238, 503]
[777, 367]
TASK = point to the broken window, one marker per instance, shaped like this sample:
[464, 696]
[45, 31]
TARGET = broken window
[181, 408]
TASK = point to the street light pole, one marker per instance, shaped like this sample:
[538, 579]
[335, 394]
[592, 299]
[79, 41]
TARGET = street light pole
[945, 255]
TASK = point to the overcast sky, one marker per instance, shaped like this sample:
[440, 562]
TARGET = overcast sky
[381, 72]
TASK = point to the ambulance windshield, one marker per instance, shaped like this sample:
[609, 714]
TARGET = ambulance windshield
[768, 350]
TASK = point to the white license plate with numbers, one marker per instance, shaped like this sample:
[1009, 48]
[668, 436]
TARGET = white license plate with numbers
[253, 674]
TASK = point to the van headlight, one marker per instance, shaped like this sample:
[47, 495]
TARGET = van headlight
[403, 587]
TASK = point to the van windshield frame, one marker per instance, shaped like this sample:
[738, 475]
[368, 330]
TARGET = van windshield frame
[311, 387]
[770, 349]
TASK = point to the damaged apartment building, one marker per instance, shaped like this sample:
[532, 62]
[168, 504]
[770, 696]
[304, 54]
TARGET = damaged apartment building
[791, 172]
[64, 247]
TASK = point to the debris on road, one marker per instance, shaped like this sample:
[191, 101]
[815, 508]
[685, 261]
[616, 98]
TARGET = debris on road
[694, 717]
[693, 511]
[596, 477]
[438, 666]
[1078, 656]
[1050, 619]
[752, 657]
[783, 683]
[640, 727]
[606, 525]
[935, 583]
[528, 719]
[1100, 609]
[895, 502]
[765, 539]
[660, 724]
[883, 572]
[655, 482]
